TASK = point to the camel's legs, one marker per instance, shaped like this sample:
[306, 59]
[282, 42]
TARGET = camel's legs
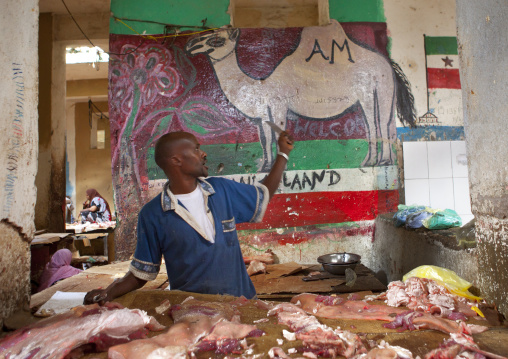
[369, 110]
[385, 124]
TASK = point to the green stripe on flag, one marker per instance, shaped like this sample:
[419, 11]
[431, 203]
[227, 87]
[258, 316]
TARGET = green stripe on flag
[441, 45]
[307, 155]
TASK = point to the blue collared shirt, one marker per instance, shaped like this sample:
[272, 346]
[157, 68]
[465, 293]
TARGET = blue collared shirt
[194, 264]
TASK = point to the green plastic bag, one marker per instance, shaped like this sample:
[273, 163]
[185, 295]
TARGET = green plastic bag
[443, 220]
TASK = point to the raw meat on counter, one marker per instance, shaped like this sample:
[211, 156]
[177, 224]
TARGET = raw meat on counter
[317, 338]
[338, 308]
[417, 320]
[460, 346]
[198, 326]
[321, 340]
[426, 295]
[256, 267]
[91, 325]
[266, 257]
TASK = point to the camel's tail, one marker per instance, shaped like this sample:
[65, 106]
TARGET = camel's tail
[405, 100]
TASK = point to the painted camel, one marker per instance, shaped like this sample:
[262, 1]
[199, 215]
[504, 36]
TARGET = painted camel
[325, 63]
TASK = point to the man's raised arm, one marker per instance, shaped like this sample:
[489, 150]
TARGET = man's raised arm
[286, 144]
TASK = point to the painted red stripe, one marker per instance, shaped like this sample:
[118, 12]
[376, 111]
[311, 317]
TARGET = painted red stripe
[303, 209]
[443, 78]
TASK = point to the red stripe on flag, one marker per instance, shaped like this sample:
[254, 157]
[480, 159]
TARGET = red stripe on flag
[303, 209]
[443, 78]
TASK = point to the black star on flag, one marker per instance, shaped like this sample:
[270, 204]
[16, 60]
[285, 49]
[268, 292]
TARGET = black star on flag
[447, 61]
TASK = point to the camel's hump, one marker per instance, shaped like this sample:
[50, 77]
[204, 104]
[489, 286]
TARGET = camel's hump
[324, 35]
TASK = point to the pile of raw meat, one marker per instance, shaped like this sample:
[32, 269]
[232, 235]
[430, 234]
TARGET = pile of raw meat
[71, 334]
[216, 328]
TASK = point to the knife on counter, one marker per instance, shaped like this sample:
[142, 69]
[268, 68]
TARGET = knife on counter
[274, 127]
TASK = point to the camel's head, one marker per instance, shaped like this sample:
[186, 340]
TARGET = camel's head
[217, 45]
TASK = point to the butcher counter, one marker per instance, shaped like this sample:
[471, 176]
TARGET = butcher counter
[420, 342]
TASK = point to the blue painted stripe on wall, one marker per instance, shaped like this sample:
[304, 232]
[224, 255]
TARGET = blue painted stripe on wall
[431, 133]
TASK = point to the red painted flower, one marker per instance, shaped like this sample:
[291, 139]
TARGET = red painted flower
[138, 77]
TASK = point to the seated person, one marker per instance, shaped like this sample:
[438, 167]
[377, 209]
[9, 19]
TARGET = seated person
[69, 208]
[58, 268]
[95, 208]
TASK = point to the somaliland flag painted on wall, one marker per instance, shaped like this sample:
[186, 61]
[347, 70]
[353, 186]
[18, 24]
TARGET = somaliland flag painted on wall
[442, 62]
[445, 95]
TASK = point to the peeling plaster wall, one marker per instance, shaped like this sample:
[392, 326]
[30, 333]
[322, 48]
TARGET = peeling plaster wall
[483, 54]
[18, 149]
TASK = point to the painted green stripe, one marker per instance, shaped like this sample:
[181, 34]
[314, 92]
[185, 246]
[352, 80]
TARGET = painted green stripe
[357, 11]
[441, 45]
[307, 155]
[178, 12]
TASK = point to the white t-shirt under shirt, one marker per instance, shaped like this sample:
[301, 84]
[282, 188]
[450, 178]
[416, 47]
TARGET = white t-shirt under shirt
[195, 204]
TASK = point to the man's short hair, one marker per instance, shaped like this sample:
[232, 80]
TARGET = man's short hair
[165, 145]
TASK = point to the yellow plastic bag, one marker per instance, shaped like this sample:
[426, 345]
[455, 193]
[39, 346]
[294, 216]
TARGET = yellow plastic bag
[445, 277]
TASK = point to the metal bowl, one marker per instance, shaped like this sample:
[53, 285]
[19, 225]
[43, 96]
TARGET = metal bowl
[338, 269]
[339, 258]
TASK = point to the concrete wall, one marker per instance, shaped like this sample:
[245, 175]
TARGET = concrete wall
[483, 56]
[18, 150]
[93, 166]
[79, 92]
[396, 251]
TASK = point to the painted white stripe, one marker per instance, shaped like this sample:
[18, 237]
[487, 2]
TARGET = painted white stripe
[436, 61]
[446, 104]
[327, 180]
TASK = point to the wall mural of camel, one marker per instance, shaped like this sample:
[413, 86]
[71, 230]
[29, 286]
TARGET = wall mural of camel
[333, 87]
[325, 62]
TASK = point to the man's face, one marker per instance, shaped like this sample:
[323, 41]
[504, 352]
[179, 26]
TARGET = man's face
[193, 158]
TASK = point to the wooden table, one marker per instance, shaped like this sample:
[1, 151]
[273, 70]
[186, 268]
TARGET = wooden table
[286, 280]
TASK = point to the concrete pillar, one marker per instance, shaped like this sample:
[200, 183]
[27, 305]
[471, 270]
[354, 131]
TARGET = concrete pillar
[70, 189]
[19, 25]
[56, 221]
[42, 180]
[483, 52]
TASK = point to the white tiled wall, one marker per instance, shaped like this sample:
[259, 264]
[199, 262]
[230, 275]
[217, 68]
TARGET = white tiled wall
[435, 175]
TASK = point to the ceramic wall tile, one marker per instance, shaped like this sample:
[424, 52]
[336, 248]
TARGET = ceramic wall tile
[417, 192]
[459, 159]
[440, 159]
[415, 160]
[441, 193]
[461, 194]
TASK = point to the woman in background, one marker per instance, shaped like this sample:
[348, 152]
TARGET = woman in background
[95, 208]
[58, 268]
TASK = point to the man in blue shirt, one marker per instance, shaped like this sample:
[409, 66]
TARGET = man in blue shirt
[192, 223]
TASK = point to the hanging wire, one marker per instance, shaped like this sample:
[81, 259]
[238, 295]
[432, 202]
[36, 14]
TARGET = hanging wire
[91, 112]
[176, 27]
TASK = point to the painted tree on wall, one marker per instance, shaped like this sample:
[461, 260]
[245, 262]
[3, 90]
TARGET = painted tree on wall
[338, 99]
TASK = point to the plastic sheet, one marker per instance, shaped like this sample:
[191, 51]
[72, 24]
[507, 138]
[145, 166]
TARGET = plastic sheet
[443, 220]
[445, 277]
